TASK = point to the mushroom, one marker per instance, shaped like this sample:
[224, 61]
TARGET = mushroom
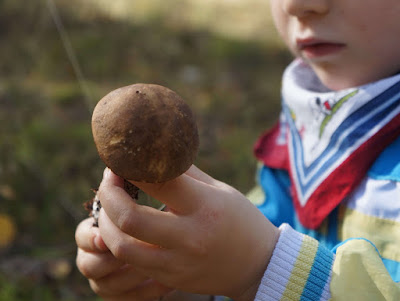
[145, 133]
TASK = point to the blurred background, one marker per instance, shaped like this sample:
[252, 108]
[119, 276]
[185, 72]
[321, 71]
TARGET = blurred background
[59, 57]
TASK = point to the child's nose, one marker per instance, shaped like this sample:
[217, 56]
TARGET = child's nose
[304, 8]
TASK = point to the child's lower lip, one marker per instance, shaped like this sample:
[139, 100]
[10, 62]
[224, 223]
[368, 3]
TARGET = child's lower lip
[321, 49]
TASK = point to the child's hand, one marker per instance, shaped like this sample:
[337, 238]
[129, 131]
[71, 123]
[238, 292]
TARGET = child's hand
[212, 240]
[109, 277]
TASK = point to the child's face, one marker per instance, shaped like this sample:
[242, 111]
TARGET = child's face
[347, 42]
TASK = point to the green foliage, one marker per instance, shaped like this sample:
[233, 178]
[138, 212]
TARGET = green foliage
[47, 156]
[8, 291]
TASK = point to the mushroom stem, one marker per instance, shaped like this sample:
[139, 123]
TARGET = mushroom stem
[131, 189]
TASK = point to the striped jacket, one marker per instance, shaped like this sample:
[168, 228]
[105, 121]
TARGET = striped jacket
[353, 255]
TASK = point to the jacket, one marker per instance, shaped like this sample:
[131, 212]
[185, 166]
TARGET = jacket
[353, 255]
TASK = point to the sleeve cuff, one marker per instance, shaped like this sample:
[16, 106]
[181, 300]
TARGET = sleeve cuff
[299, 269]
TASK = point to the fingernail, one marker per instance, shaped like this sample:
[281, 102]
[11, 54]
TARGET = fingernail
[99, 243]
[106, 173]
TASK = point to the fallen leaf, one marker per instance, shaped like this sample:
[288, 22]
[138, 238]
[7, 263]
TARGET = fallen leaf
[7, 230]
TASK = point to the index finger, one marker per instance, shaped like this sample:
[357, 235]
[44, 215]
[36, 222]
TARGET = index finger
[88, 237]
[183, 194]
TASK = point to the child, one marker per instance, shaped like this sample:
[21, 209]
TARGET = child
[330, 179]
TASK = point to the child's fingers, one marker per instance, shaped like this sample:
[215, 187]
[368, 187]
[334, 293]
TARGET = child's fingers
[201, 176]
[186, 192]
[166, 229]
[121, 281]
[126, 248]
[88, 237]
[142, 222]
[96, 265]
[112, 189]
[183, 194]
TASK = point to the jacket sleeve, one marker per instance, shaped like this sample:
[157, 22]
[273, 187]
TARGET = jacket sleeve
[302, 269]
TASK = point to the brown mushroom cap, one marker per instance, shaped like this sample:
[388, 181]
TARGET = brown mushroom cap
[145, 132]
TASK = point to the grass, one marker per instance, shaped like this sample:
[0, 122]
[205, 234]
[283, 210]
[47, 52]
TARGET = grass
[48, 162]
